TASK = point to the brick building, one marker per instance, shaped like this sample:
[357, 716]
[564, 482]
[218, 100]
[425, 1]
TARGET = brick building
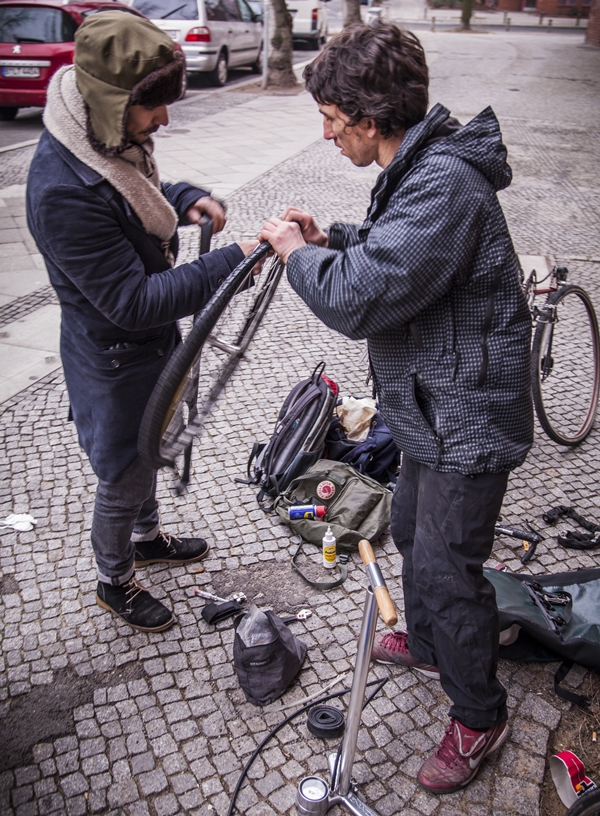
[592, 35]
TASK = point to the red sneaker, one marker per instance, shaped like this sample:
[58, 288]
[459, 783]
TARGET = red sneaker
[392, 648]
[457, 758]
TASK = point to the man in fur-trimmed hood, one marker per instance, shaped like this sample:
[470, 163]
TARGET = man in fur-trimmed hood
[107, 228]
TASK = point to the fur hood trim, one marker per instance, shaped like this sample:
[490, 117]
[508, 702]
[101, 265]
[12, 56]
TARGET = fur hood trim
[65, 118]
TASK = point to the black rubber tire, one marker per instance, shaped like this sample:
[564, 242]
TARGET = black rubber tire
[8, 114]
[257, 65]
[184, 86]
[218, 76]
[164, 434]
[565, 367]
[587, 805]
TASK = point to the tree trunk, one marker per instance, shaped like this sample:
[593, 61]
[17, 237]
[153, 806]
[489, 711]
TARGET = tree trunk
[281, 72]
[467, 11]
[351, 12]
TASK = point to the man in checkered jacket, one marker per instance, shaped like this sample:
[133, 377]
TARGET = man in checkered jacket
[431, 279]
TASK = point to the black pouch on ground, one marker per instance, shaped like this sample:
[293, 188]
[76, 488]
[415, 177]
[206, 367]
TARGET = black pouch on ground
[266, 655]
[547, 618]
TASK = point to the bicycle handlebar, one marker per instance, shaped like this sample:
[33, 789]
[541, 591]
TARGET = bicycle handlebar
[380, 590]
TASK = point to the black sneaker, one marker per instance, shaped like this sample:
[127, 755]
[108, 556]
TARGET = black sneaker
[166, 549]
[133, 603]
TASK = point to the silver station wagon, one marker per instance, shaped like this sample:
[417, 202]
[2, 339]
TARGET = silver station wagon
[215, 34]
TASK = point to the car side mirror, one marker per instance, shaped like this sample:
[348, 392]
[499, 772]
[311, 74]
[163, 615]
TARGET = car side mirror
[258, 18]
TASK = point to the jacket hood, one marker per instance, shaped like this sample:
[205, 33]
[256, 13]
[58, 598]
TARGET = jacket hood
[479, 143]
[122, 60]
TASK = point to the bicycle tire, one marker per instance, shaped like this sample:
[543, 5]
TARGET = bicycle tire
[587, 805]
[565, 366]
[165, 431]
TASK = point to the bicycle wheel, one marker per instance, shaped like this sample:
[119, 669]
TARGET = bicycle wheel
[587, 805]
[201, 366]
[565, 366]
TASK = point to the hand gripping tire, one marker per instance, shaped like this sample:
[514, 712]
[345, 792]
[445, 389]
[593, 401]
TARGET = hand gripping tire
[224, 329]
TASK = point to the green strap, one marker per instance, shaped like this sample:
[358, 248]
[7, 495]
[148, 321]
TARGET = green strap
[343, 565]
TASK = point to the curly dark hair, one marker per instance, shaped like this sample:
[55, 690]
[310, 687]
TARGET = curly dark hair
[374, 72]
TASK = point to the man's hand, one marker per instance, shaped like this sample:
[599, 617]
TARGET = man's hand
[311, 231]
[207, 206]
[284, 237]
[249, 246]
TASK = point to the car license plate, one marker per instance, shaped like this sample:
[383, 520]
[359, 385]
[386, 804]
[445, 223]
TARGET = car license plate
[22, 71]
[172, 34]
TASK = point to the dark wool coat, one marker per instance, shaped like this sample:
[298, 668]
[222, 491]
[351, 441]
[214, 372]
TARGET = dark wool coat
[431, 279]
[115, 287]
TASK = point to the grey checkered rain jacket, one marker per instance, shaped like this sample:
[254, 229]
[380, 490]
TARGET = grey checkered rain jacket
[431, 279]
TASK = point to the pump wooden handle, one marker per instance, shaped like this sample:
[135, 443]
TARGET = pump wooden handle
[384, 602]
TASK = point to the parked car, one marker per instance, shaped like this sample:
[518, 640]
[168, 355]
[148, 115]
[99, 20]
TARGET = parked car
[215, 34]
[36, 39]
[309, 21]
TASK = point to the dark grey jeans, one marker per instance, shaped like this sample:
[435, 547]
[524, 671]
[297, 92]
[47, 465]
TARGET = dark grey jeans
[443, 524]
[124, 512]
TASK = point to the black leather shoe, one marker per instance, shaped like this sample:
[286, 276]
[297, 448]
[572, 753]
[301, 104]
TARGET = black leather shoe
[166, 549]
[133, 603]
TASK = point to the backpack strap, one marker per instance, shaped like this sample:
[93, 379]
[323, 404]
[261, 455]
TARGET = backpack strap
[579, 699]
[324, 585]
[256, 450]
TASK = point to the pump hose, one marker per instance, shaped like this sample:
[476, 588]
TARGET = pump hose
[289, 718]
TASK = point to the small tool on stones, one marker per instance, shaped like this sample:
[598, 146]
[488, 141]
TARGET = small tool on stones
[236, 596]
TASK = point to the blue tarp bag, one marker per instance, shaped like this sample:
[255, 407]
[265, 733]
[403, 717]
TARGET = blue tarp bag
[377, 456]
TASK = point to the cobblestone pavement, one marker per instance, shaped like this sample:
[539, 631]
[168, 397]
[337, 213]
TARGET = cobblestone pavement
[97, 719]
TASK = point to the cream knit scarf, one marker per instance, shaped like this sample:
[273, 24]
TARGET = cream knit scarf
[133, 174]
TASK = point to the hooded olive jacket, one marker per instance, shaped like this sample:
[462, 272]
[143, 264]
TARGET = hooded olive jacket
[432, 281]
[115, 287]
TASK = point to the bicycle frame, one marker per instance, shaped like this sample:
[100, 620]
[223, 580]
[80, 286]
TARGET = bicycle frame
[558, 277]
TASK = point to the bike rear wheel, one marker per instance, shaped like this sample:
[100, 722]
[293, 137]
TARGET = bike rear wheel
[201, 366]
[565, 366]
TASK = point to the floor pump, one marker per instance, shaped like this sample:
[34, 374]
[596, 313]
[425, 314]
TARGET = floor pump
[315, 795]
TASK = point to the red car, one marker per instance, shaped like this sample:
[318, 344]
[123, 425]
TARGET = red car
[36, 39]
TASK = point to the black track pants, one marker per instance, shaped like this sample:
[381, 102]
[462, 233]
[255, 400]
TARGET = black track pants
[443, 524]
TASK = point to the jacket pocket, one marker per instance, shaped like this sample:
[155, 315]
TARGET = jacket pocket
[116, 359]
[419, 413]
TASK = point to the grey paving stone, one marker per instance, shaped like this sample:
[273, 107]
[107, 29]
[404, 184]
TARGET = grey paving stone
[152, 782]
[122, 793]
[166, 805]
[523, 798]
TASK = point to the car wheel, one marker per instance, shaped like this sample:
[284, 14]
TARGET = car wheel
[218, 76]
[184, 86]
[8, 114]
[257, 65]
[314, 44]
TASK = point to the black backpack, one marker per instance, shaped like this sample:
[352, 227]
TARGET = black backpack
[298, 439]
[551, 618]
